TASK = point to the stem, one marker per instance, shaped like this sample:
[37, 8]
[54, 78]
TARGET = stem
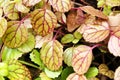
[57, 33]
[29, 64]
[77, 3]
[97, 45]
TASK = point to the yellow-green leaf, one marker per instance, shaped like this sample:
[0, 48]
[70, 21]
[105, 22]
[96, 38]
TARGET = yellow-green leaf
[1, 11]
[17, 71]
[3, 26]
[51, 54]
[10, 10]
[15, 35]
[61, 5]
[43, 21]
[30, 2]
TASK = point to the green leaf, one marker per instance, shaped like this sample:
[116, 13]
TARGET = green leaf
[3, 26]
[10, 10]
[44, 21]
[28, 45]
[75, 41]
[53, 74]
[77, 35]
[17, 71]
[51, 54]
[43, 76]
[1, 78]
[8, 53]
[35, 57]
[66, 72]
[92, 72]
[38, 78]
[67, 38]
[67, 56]
[107, 10]
[3, 69]
[15, 35]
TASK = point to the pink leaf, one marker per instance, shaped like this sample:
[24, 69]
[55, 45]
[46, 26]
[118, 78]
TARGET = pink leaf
[75, 76]
[95, 33]
[117, 74]
[81, 60]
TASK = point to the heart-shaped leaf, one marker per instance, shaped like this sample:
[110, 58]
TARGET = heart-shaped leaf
[17, 71]
[96, 33]
[81, 60]
[51, 54]
[3, 26]
[30, 2]
[10, 10]
[28, 45]
[15, 35]
[67, 56]
[117, 74]
[75, 76]
[61, 5]
[43, 21]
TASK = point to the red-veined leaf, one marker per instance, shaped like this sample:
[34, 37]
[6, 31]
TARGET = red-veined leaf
[61, 17]
[43, 21]
[51, 54]
[30, 2]
[15, 35]
[117, 74]
[81, 60]
[3, 26]
[93, 11]
[10, 10]
[96, 33]
[61, 5]
[75, 76]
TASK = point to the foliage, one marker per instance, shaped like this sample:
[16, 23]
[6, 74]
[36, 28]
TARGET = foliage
[57, 38]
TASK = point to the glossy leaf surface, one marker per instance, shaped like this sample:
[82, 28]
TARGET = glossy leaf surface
[44, 21]
[3, 26]
[17, 71]
[51, 54]
[15, 35]
[75, 76]
[61, 5]
[81, 60]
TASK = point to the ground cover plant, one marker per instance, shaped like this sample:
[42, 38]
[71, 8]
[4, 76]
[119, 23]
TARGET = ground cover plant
[59, 39]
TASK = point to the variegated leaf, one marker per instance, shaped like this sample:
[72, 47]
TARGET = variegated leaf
[117, 74]
[30, 2]
[15, 35]
[3, 26]
[51, 54]
[75, 76]
[96, 33]
[43, 21]
[10, 10]
[81, 60]
[61, 5]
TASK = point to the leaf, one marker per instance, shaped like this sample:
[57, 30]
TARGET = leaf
[81, 60]
[44, 21]
[28, 45]
[92, 72]
[40, 40]
[52, 74]
[1, 78]
[35, 57]
[8, 53]
[20, 7]
[103, 68]
[17, 71]
[77, 35]
[113, 3]
[117, 74]
[43, 76]
[67, 38]
[61, 5]
[3, 69]
[61, 17]
[67, 56]
[1, 11]
[94, 12]
[94, 78]
[51, 55]
[30, 2]
[15, 35]
[3, 26]
[75, 76]
[66, 72]
[10, 10]
[96, 33]
[3, 2]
